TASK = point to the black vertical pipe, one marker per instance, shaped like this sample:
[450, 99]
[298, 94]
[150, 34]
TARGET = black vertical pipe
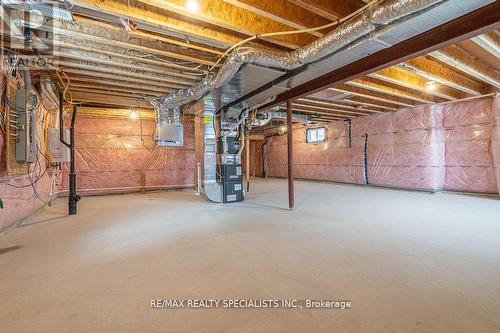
[349, 123]
[73, 197]
[365, 158]
[289, 136]
[61, 120]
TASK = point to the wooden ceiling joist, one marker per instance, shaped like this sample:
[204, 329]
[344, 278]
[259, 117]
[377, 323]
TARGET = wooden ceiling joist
[355, 99]
[403, 78]
[121, 78]
[364, 90]
[332, 10]
[336, 105]
[175, 82]
[96, 82]
[227, 16]
[315, 107]
[124, 90]
[334, 113]
[489, 42]
[94, 58]
[284, 12]
[432, 70]
[106, 99]
[464, 62]
[154, 37]
[155, 21]
[125, 54]
[74, 35]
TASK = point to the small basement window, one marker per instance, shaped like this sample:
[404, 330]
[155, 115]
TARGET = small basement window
[315, 135]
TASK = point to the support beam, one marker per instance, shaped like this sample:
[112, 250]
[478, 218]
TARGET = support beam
[477, 22]
[289, 140]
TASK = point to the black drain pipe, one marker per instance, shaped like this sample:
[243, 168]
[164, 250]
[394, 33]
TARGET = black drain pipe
[365, 158]
[349, 122]
[73, 197]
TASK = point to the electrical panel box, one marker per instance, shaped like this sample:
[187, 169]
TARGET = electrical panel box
[233, 192]
[170, 135]
[58, 152]
[26, 149]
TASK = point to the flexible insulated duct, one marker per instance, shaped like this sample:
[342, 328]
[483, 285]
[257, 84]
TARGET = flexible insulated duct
[381, 14]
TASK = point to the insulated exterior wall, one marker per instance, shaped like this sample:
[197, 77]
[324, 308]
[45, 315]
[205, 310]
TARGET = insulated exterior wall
[111, 157]
[18, 196]
[496, 139]
[469, 127]
[431, 147]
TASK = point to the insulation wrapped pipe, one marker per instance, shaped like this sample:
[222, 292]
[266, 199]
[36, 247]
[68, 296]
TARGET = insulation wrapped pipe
[383, 13]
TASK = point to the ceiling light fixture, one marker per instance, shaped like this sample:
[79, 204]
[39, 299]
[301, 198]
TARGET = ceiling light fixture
[193, 5]
[431, 85]
[134, 114]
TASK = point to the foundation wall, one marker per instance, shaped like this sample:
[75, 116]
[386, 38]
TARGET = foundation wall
[450, 147]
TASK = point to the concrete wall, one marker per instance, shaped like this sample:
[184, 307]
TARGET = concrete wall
[428, 147]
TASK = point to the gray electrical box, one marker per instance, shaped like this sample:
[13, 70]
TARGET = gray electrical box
[26, 132]
[58, 152]
[170, 134]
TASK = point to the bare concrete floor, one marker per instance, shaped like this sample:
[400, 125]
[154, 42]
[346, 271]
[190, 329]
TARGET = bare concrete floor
[408, 261]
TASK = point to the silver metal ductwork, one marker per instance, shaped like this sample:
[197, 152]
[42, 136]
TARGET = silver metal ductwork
[266, 117]
[251, 77]
[366, 22]
[211, 185]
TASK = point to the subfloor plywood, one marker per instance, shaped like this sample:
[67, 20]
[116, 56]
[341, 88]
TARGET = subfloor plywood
[408, 261]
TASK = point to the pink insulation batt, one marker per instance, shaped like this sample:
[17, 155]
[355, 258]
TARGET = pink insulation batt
[451, 147]
[405, 149]
[495, 140]
[111, 157]
[469, 127]
[18, 196]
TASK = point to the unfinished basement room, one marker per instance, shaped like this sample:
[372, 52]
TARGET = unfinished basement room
[250, 166]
